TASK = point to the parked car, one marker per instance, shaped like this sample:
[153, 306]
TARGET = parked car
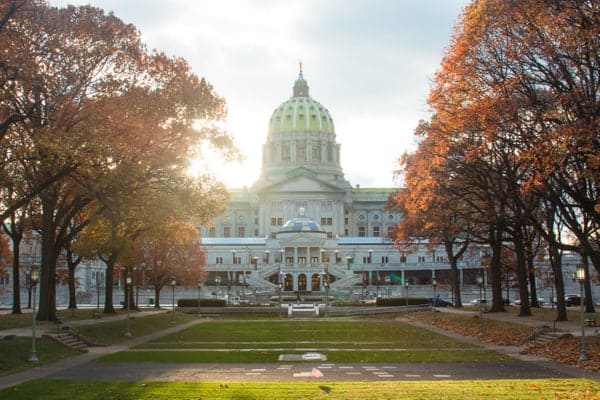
[540, 301]
[475, 302]
[573, 300]
[438, 302]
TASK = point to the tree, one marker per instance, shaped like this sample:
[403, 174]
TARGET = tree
[171, 250]
[102, 116]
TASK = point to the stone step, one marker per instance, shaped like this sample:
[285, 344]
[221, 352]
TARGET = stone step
[543, 337]
[70, 339]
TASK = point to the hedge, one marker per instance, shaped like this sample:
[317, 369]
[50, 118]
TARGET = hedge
[400, 301]
[203, 303]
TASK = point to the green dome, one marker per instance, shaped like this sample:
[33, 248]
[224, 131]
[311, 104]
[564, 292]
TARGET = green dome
[301, 113]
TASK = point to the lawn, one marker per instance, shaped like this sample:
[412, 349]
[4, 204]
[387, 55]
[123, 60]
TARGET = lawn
[107, 333]
[575, 389]
[294, 333]
[342, 341]
[16, 352]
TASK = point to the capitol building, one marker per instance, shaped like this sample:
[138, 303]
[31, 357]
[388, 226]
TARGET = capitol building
[303, 229]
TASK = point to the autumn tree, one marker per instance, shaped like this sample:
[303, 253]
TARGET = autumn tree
[93, 105]
[171, 250]
[522, 77]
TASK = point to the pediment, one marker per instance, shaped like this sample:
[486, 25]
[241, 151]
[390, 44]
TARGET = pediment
[308, 239]
[302, 183]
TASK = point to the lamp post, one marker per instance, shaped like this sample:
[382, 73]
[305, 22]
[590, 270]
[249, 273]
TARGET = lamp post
[34, 278]
[580, 274]
[387, 286]
[173, 283]
[218, 282]
[128, 290]
[480, 283]
[280, 287]
[326, 284]
[282, 253]
[199, 290]
[434, 284]
[406, 286]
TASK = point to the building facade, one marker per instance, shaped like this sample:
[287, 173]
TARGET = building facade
[303, 228]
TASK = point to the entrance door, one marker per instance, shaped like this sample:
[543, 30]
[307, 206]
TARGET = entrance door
[302, 283]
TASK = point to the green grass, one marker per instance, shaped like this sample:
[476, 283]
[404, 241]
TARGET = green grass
[11, 321]
[15, 354]
[107, 333]
[342, 341]
[575, 389]
[291, 332]
[271, 356]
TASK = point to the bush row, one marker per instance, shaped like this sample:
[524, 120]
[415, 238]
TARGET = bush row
[203, 303]
[400, 301]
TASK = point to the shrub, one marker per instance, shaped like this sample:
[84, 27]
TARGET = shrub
[400, 301]
[203, 303]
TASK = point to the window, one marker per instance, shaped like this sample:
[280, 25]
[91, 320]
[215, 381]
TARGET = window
[376, 231]
[273, 221]
[384, 260]
[237, 260]
[212, 232]
[326, 221]
[273, 235]
[219, 260]
[226, 231]
[391, 232]
[421, 259]
[256, 232]
[329, 235]
[361, 231]
[279, 221]
[241, 231]
[346, 221]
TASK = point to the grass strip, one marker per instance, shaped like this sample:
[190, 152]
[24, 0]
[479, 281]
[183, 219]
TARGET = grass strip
[106, 333]
[16, 353]
[575, 389]
[265, 356]
[400, 334]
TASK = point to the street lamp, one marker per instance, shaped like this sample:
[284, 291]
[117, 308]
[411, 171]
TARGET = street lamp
[34, 278]
[280, 287]
[406, 286]
[199, 290]
[326, 285]
[128, 291]
[282, 253]
[480, 283]
[173, 283]
[218, 282]
[434, 284]
[580, 275]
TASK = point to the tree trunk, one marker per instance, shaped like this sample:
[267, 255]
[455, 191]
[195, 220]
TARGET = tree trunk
[532, 284]
[157, 290]
[525, 309]
[47, 299]
[496, 271]
[453, 258]
[587, 287]
[16, 307]
[72, 293]
[108, 285]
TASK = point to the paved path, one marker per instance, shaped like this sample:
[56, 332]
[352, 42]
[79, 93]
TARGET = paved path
[83, 367]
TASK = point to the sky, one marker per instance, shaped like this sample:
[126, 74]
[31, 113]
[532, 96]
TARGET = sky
[370, 62]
